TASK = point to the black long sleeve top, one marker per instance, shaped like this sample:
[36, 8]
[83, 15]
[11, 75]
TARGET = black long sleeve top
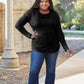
[48, 28]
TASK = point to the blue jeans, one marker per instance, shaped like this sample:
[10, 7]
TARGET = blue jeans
[37, 59]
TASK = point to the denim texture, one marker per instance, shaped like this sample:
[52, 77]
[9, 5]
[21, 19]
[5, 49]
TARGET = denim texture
[37, 60]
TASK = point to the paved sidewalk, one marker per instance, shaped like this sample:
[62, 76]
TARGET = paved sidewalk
[73, 31]
[75, 79]
[74, 65]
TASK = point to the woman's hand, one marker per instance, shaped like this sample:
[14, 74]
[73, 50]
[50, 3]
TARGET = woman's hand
[69, 52]
[34, 35]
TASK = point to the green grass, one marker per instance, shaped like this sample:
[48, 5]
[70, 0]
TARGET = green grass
[72, 33]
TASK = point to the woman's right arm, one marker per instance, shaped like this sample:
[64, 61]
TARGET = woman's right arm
[21, 22]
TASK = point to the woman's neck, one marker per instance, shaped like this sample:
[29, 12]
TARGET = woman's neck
[44, 11]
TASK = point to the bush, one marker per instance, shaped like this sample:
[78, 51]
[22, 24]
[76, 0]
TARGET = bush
[77, 27]
[68, 25]
[80, 27]
[65, 25]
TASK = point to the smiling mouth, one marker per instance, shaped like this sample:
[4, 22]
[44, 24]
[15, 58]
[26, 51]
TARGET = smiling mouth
[44, 6]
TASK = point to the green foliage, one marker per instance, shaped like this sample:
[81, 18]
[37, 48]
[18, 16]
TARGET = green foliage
[72, 33]
[70, 15]
[66, 25]
[59, 9]
[74, 15]
[55, 2]
[77, 27]
[80, 27]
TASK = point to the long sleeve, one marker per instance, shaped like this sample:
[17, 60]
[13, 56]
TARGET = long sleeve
[61, 35]
[22, 21]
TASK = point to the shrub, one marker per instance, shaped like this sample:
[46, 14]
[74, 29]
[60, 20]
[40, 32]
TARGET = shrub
[80, 27]
[77, 27]
[65, 25]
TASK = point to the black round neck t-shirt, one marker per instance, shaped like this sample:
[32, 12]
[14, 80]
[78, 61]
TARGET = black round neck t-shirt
[45, 13]
[47, 27]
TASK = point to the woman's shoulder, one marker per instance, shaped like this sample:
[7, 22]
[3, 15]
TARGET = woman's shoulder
[33, 10]
[30, 11]
[55, 12]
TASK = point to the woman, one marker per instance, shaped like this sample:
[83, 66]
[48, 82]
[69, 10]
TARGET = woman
[47, 34]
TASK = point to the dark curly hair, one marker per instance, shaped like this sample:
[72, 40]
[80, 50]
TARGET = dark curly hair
[37, 2]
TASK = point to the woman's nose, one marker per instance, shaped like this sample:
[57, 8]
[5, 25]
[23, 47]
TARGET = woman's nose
[44, 3]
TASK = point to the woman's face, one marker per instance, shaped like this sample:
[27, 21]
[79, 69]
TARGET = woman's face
[44, 4]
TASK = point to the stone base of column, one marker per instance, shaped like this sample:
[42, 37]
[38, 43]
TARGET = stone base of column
[13, 69]
[9, 62]
[9, 59]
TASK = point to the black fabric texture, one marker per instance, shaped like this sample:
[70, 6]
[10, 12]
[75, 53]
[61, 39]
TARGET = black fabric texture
[48, 28]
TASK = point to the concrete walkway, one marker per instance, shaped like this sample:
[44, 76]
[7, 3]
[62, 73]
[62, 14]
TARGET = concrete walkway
[75, 79]
[73, 31]
[66, 71]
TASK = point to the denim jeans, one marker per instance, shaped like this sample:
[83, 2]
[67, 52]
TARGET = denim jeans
[37, 59]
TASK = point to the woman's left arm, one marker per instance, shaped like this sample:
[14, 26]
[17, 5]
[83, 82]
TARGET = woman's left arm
[61, 36]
